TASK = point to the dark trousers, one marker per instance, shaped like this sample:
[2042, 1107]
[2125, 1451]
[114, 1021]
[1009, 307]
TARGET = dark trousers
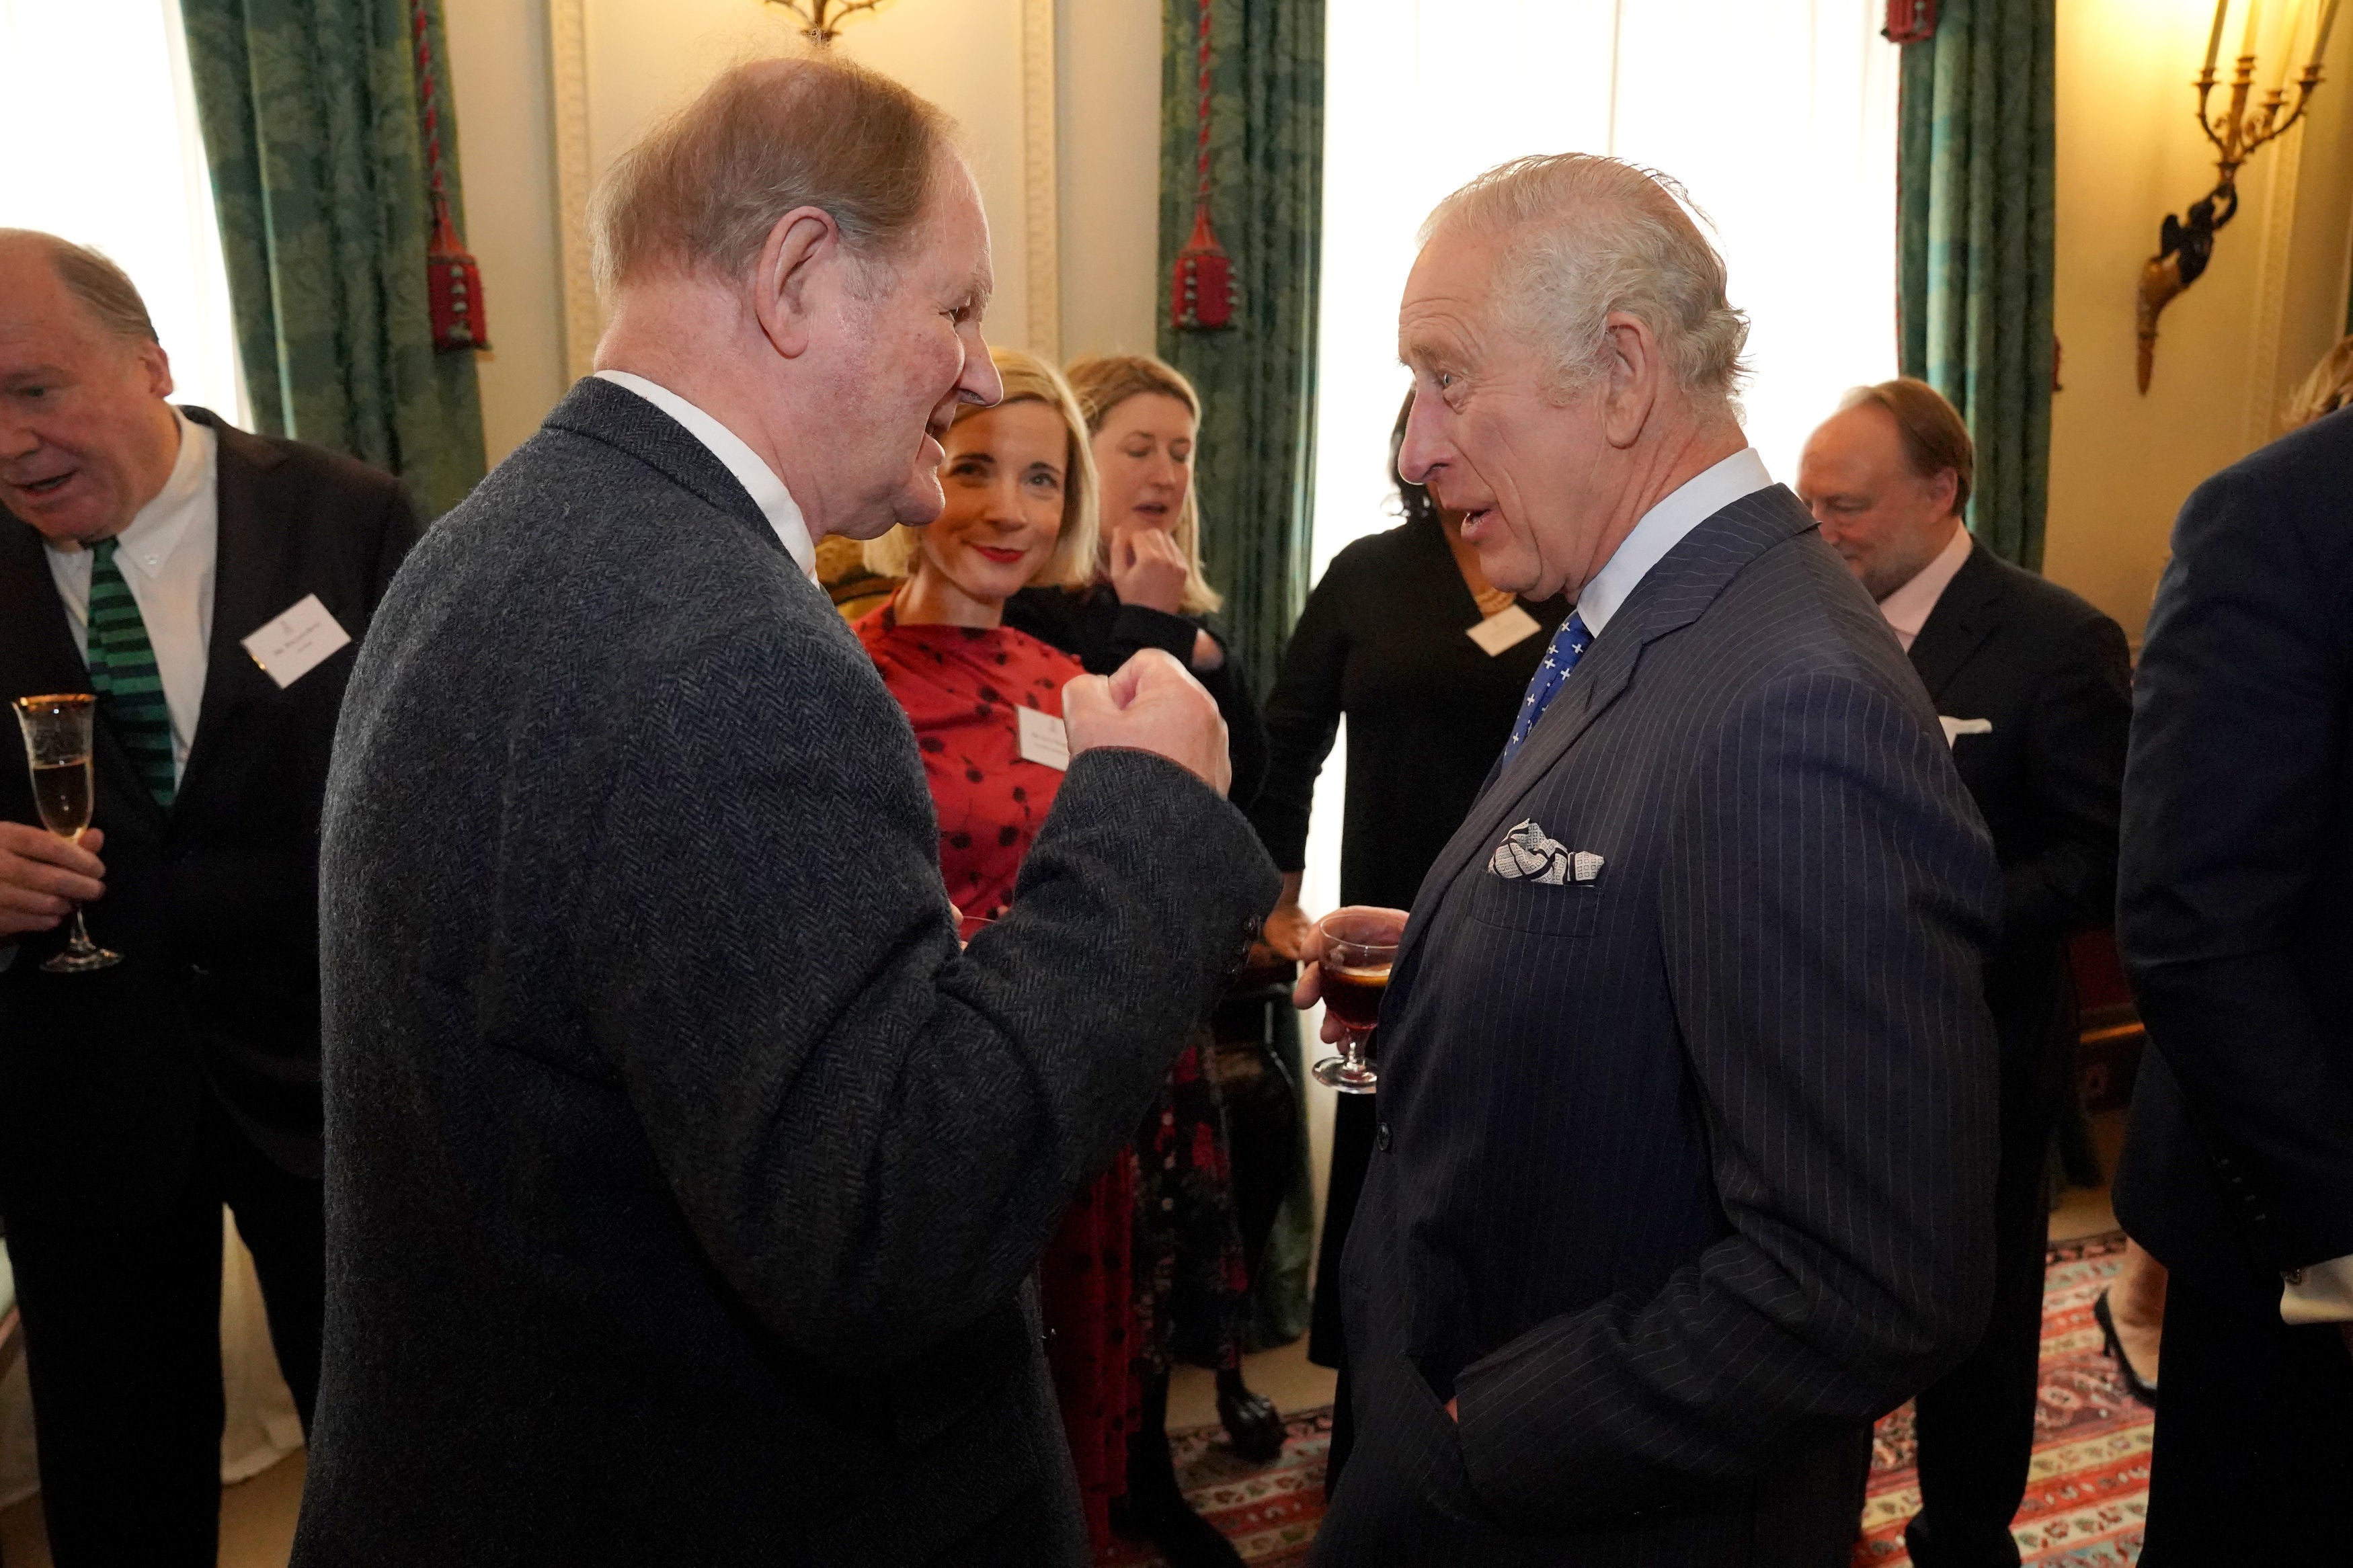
[122, 1350]
[2254, 1457]
[1355, 1119]
[1975, 1424]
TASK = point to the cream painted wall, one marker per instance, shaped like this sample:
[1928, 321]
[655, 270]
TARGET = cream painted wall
[498, 70]
[645, 57]
[2231, 346]
[1108, 56]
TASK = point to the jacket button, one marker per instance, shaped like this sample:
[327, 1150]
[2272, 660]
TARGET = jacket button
[199, 973]
[1381, 1137]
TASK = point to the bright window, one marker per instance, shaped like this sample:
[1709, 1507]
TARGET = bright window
[104, 151]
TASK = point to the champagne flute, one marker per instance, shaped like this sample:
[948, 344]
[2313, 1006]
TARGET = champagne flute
[58, 747]
[1354, 947]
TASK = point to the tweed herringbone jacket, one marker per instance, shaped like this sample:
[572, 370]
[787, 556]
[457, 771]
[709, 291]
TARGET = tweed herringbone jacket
[683, 1177]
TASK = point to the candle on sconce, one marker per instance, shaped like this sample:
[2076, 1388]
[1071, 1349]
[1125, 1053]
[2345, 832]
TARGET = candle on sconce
[2214, 38]
[2320, 37]
[2255, 29]
[2287, 53]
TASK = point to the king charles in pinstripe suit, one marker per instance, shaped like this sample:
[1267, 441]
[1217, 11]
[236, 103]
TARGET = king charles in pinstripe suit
[1684, 1152]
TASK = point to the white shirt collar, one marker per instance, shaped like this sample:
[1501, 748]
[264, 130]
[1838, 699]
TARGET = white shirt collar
[157, 530]
[759, 480]
[1662, 528]
[1908, 608]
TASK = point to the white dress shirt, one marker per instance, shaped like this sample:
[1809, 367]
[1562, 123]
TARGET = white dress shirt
[1662, 528]
[168, 557]
[1908, 608]
[759, 480]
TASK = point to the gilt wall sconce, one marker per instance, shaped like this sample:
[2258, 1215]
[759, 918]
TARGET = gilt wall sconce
[2185, 244]
[821, 19]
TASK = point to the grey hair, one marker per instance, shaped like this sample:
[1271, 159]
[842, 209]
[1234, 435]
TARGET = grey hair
[92, 278]
[1585, 236]
[700, 191]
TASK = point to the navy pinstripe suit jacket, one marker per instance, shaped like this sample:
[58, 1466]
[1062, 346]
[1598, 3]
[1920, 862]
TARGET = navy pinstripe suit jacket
[1684, 1172]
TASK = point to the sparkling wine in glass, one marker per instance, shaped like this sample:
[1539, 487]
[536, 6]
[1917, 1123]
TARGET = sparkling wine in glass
[1353, 948]
[56, 747]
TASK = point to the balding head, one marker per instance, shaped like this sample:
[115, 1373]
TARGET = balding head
[86, 436]
[701, 191]
[91, 276]
[801, 254]
[1887, 477]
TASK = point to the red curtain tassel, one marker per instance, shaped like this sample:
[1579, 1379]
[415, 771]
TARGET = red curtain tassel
[1201, 294]
[454, 288]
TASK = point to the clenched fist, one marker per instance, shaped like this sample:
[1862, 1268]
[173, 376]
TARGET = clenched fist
[1151, 704]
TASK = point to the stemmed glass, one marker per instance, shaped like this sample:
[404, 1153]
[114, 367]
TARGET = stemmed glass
[1353, 948]
[56, 747]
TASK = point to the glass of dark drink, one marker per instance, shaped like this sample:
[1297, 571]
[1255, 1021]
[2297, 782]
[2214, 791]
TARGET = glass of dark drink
[1353, 950]
[56, 747]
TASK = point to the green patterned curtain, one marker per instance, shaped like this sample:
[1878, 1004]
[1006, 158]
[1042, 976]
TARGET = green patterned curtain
[1257, 378]
[1975, 199]
[310, 121]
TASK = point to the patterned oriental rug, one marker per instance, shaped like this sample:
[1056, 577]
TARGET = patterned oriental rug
[2087, 1491]
[2086, 1496]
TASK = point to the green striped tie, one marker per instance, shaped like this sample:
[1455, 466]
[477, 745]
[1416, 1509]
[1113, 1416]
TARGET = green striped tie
[123, 672]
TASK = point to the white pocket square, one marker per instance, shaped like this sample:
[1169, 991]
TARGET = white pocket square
[1957, 728]
[1527, 852]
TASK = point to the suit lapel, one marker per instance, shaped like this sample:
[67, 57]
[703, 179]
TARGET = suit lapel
[1675, 594]
[38, 642]
[1959, 623]
[38, 649]
[249, 585]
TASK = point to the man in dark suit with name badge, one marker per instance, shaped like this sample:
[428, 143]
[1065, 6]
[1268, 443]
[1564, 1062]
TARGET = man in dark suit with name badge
[143, 549]
[1685, 1147]
[2033, 688]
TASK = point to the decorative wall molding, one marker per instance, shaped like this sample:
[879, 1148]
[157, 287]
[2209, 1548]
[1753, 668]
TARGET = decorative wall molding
[1040, 181]
[584, 318]
[2269, 315]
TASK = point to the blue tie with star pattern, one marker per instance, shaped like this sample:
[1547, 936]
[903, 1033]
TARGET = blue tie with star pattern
[1568, 645]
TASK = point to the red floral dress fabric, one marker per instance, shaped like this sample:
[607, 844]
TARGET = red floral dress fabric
[959, 686]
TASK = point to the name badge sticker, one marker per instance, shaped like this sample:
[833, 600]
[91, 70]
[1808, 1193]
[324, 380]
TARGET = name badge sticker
[1507, 628]
[296, 642]
[1044, 738]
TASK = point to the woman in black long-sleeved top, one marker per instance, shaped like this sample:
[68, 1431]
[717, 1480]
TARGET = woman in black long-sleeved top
[1149, 591]
[1387, 639]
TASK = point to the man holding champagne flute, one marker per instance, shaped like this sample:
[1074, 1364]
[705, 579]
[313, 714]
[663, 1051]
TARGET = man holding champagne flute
[150, 558]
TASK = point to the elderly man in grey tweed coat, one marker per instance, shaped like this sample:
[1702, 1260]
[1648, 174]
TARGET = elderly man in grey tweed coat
[683, 1174]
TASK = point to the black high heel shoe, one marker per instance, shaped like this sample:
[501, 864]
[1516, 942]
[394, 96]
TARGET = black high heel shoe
[1253, 1426]
[2143, 1392]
